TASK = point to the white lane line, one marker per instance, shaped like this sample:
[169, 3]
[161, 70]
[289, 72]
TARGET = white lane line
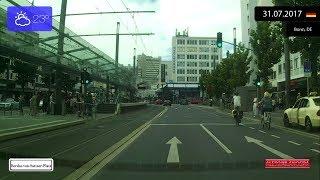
[182, 124]
[317, 144]
[262, 131]
[275, 136]
[292, 142]
[216, 139]
[241, 124]
[315, 150]
[252, 128]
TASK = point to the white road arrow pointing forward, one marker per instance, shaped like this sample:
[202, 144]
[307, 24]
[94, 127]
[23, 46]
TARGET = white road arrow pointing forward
[173, 156]
[274, 151]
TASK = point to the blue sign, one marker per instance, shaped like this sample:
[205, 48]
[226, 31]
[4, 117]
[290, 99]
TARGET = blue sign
[307, 66]
[29, 18]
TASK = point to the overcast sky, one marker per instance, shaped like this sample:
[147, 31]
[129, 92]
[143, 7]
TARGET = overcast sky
[202, 17]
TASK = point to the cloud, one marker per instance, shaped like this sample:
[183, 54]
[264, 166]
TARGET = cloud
[22, 21]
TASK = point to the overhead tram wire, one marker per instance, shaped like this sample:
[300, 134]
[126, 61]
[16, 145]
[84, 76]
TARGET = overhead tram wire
[135, 23]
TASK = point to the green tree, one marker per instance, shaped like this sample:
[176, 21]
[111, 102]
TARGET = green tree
[3, 64]
[267, 45]
[309, 47]
[232, 72]
[26, 73]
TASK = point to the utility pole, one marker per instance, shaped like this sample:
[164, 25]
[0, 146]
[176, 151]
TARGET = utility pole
[234, 40]
[134, 62]
[287, 69]
[117, 63]
[58, 95]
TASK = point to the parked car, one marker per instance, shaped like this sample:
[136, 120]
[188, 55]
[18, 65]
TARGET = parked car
[305, 112]
[184, 102]
[9, 103]
[158, 102]
[167, 103]
[195, 101]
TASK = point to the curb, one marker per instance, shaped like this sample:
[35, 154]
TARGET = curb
[26, 132]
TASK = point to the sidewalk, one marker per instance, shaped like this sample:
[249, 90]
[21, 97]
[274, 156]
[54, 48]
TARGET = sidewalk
[17, 125]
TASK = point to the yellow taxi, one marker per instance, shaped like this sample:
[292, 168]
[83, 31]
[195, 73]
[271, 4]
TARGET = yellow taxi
[305, 112]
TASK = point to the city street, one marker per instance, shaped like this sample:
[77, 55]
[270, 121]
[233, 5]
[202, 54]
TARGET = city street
[182, 142]
[210, 146]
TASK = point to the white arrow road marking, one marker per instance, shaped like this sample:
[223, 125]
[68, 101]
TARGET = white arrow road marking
[173, 156]
[252, 128]
[274, 151]
[262, 131]
[315, 150]
[216, 139]
[292, 142]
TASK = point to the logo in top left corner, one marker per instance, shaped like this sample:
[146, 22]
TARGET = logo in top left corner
[29, 18]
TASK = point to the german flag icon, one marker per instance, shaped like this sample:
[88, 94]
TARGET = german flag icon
[311, 14]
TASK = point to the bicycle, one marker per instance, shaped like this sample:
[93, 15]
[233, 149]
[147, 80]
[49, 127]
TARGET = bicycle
[266, 120]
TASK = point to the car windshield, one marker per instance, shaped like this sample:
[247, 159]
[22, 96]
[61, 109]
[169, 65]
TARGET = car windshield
[316, 101]
[144, 89]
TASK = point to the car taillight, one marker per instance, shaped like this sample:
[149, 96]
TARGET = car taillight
[318, 113]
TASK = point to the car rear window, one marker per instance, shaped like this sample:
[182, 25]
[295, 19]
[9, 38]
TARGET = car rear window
[317, 101]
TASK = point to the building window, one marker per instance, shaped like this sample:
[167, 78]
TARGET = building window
[180, 41]
[192, 79]
[181, 56]
[192, 56]
[181, 64]
[203, 42]
[192, 64]
[192, 42]
[204, 57]
[180, 71]
[181, 79]
[279, 69]
[204, 49]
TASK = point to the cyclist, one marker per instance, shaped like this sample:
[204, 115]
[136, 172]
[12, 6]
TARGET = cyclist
[266, 104]
[236, 105]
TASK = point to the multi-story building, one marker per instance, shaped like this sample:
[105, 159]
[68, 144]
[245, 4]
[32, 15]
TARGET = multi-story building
[148, 69]
[248, 23]
[193, 55]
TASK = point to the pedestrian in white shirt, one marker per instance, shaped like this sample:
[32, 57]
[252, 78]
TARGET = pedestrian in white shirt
[255, 107]
[236, 101]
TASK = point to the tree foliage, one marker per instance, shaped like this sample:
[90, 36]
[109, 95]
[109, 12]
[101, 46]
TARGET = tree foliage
[26, 73]
[3, 64]
[232, 72]
[309, 47]
[267, 45]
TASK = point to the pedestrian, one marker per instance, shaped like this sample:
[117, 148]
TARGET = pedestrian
[33, 105]
[51, 104]
[21, 104]
[94, 107]
[255, 107]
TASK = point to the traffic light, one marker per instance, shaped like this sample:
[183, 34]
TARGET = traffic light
[257, 81]
[85, 77]
[219, 40]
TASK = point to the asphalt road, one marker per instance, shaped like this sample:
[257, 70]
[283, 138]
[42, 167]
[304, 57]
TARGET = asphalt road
[182, 142]
[71, 147]
[212, 147]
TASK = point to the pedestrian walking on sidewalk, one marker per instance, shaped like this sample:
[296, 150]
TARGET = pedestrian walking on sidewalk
[33, 105]
[255, 107]
[21, 105]
[51, 104]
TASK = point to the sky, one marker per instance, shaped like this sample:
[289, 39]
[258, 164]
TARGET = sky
[201, 17]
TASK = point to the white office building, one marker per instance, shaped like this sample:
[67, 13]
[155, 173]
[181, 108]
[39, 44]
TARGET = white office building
[193, 55]
[277, 79]
[148, 69]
